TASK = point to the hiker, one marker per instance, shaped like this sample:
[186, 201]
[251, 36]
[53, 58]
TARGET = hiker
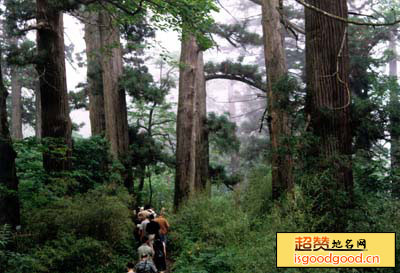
[164, 226]
[152, 229]
[145, 265]
[146, 249]
[143, 216]
[137, 221]
[130, 267]
[150, 210]
[159, 257]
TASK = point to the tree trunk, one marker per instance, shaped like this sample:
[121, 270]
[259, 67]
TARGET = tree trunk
[94, 74]
[116, 115]
[202, 146]
[9, 202]
[38, 107]
[191, 112]
[328, 104]
[56, 124]
[16, 104]
[278, 99]
[394, 116]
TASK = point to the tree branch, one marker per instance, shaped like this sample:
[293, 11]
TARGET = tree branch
[344, 20]
[258, 2]
[236, 78]
[40, 25]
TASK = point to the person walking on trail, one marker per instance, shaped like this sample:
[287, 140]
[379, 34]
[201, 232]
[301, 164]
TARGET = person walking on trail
[144, 216]
[164, 226]
[159, 258]
[150, 209]
[152, 229]
[138, 221]
[145, 265]
[146, 249]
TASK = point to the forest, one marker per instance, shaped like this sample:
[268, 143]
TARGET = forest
[235, 119]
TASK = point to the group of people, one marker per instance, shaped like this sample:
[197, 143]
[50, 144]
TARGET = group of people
[151, 233]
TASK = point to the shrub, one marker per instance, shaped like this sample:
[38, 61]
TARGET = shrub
[100, 214]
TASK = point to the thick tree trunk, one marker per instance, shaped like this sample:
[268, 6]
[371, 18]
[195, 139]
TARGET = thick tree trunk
[275, 61]
[16, 98]
[394, 117]
[116, 115]
[191, 129]
[185, 126]
[9, 202]
[56, 124]
[94, 74]
[328, 101]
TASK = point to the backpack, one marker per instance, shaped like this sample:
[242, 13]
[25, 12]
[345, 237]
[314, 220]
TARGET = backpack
[158, 249]
[145, 267]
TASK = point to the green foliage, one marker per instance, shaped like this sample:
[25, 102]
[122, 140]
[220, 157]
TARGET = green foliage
[68, 254]
[78, 222]
[102, 214]
[223, 235]
[237, 35]
[191, 16]
[258, 193]
[161, 193]
[5, 239]
[202, 230]
[90, 162]
[222, 133]
[139, 84]
[218, 174]
[91, 232]
[21, 54]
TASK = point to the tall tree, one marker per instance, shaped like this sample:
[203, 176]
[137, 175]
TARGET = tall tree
[192, 140]
[9, 202]
[56, 124]
[278, 97]
[116, 118]
[328, 98]
[185, 125]
[94, 73]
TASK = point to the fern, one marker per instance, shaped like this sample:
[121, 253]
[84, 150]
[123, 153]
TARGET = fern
[5, 236]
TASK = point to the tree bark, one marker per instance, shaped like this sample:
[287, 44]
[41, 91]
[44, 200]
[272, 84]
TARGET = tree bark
[16, 98]
[202, 146]
[191, 129]
[328, 97]
[56, 124]
[9, 202]
[185, 127]
[94, 74]
[116, 116]
[275, 61]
